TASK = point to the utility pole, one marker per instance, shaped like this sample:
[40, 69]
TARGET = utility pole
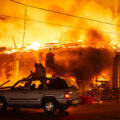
[25, 16]
[25, 19]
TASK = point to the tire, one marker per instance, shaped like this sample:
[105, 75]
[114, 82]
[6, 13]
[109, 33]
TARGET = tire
[63, 107]
[49, 106]
[3, 104]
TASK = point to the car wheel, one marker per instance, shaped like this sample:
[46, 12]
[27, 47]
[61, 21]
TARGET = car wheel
[63, 107]
[3, 104]
[49, 106]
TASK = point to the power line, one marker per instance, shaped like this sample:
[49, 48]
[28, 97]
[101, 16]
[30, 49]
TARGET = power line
[65, 13]
[55, 24]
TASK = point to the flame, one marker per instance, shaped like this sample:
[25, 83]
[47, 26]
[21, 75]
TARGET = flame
[39, 35]
[34, 46]
[45, 33]
[105, 76]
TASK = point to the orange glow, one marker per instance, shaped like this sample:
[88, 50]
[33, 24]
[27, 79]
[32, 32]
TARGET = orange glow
[103, 77]
[44, 36]
[38, 34]
[34, 46]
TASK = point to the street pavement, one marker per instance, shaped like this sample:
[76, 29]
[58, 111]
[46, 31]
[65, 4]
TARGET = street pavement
[104, 111]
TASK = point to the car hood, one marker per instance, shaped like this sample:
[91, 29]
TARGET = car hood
[5, 88]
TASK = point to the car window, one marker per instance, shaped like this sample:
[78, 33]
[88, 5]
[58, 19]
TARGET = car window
[21, 85]
[36, 84]
[56, 84]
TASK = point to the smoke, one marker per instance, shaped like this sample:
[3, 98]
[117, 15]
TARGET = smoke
[92, 62]
[83, 66]
[3, 49]
[2, 19]
[85, 63]
[69, 36]
[96, 38]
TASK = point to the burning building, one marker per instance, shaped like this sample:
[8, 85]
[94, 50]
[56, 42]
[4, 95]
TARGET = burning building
[84, 48]
[78, 64]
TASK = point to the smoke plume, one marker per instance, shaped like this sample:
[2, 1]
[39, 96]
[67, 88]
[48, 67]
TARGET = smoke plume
[85, 63]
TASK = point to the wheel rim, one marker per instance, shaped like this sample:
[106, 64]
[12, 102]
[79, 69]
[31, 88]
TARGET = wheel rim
[1, 104]
[49, 106]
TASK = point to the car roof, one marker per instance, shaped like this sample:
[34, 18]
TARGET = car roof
[49, 78]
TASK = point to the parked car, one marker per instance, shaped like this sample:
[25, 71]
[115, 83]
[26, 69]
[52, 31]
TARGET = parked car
[32, 94]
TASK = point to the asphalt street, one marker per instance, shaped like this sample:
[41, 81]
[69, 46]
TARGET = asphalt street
[105, 111]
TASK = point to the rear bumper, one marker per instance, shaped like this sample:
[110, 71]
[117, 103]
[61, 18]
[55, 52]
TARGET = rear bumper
[73, 102]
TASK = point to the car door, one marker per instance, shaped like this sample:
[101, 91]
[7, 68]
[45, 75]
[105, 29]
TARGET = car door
[35, 93]
[18, 96]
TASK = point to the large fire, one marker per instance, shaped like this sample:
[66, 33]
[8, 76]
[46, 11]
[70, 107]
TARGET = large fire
[87, 42]
[45, 33]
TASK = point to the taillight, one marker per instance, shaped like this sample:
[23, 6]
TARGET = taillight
[67, 96]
